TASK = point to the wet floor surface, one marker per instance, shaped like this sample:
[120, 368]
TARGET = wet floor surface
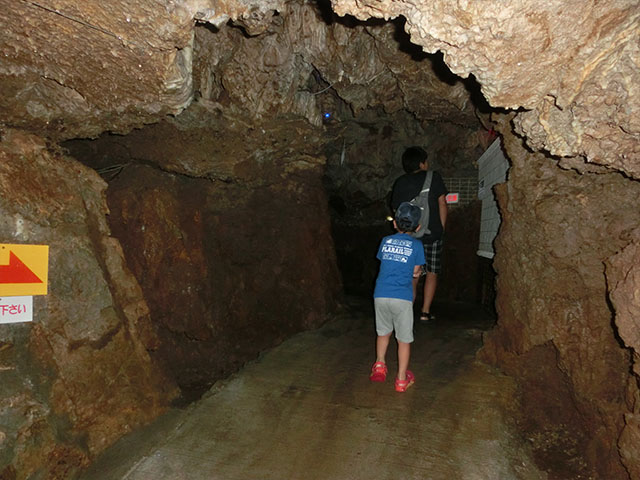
[307, 410]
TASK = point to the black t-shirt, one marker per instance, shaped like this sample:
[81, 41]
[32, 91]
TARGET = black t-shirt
[408, 186]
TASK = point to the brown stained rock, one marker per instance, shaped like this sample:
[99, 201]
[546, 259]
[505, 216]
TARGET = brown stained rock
[208, 146]
[573, 65]
[231, 263]
[558, 230]
[628, 443]
[623, 277]
[549, 418]
[75, 69]
[363, 64]
[79, 375]
[131, 64]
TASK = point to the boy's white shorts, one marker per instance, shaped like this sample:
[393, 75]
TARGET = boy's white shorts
[393, 314]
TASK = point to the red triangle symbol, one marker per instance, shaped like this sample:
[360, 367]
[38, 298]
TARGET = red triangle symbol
[17, 272]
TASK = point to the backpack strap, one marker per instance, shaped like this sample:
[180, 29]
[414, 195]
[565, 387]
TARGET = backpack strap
[422, 200]
[426, 186]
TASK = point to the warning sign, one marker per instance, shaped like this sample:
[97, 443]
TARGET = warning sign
[23, 269]
[16, 309]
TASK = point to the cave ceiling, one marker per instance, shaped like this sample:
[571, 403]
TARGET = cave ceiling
[567, 68]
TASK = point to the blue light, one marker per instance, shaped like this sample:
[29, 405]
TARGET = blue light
[326, 115]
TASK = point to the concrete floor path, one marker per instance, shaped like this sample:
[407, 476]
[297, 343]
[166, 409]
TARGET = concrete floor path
[306, 410]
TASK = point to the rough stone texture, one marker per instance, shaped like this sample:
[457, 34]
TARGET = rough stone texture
[229, 267]
[310, 61]
[141, 64]
[79, 376]
[136, 69]
[573, 65]
[558, 230]
[623, 277]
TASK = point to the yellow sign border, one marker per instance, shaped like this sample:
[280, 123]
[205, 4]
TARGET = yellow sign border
[36, 258]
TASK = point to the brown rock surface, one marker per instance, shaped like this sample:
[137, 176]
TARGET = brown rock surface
[79, 376]
[235, 252]
[70, 70]
[308, 55]
[623, 277]
[145, 62]
[558, 230]
[571, 64]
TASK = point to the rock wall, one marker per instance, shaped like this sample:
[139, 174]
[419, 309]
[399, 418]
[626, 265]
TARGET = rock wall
[307, 56]
[79, 376]
[558, 327]
[571, 66]
[57, 61]
[229, 236]
[568, 66]
[623, 281]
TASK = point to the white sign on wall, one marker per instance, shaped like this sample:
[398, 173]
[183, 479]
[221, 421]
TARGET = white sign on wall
[492, 169]
[16, 309]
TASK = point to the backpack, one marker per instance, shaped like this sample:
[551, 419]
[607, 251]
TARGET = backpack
[422, 201]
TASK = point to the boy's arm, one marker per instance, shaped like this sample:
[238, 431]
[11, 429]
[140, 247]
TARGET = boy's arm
[416, 271]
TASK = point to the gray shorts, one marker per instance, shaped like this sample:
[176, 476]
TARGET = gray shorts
[394, 314]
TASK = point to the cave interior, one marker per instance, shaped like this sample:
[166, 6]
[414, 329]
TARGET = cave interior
[214, 177]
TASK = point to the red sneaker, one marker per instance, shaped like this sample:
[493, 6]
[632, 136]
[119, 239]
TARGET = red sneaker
[378, 372]
[402, 385]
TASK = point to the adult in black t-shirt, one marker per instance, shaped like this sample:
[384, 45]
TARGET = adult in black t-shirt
[406, 188]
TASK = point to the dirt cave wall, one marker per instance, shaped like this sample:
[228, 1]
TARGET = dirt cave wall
[234, 254]
[80, 375]
[569, 65]
[557, 329]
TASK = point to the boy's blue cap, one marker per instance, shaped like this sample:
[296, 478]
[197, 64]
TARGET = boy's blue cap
[408, 216]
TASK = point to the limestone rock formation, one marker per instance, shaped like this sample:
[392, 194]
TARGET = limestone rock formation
[558, 230]
[219, 234]
[74, 69]
[139, 66]
[248, 82]
[300, 57]
[79, 376]
[623, 277]
[572, 66]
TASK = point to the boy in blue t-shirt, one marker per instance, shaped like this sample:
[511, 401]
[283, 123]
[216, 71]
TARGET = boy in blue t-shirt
[400, 257]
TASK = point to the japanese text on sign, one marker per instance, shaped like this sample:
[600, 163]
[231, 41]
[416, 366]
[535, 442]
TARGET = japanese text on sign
[16, 309]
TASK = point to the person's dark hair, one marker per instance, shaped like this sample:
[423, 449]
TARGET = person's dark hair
[412, 158]
[405, 225]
